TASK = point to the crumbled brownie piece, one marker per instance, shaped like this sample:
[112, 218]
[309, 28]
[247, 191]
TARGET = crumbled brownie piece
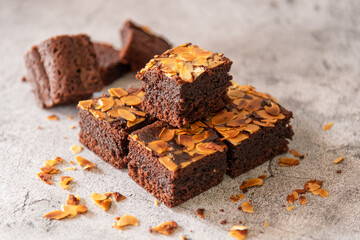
[140, 45]
[63, 70]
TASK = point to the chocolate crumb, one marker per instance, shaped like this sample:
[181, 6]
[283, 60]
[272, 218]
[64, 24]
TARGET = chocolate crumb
[150, 229]
[223, 222]
[200, 212]
[240, 222]
[222, 210]
[239, 208]
[338, 171]
[23, 79]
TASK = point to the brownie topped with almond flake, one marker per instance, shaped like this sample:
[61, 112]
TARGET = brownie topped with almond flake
[255, 127]
[140, 44]
[176, 164]
[106, 121]
[185, 84]
[63, 69]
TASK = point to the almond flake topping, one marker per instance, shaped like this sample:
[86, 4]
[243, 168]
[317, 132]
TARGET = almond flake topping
[166, 228]
[158, 146]
[166, 134]
[86, 164]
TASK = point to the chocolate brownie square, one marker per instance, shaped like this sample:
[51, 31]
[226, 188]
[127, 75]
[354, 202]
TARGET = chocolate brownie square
[63, 70]
[176, 164]
[140, 45]
[105, 123]
[110, 65]
[254, 126]
[185, 84]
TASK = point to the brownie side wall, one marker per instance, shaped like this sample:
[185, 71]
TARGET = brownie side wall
[174, 188]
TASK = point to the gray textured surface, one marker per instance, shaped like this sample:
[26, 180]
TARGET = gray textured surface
[306, 53]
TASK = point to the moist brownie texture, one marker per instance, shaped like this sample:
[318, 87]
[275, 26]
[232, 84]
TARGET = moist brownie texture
[254, 126]
[110, 66]
[63, 70]
[106, 122]
[176, 164]
[185, 84]
[140, 45]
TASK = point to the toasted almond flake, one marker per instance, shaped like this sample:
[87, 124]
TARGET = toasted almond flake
[52, 118]
[222, 118]
[290, 208]
[239, 232]
[234, 198]
[313, 185]
[126, 115]
[106, 103]
[158, 146]
[200, 212]
[70, 117]
[328, 126]
[49, 169]
[72, 200]
[296, 154]
[50, 162]
[240, 196]
[247, 207]
[265, 115]
[322, 192]
[292, 197]
[72, 163]
[137, 112]
[185, 72]
[72, 127]
[288, 162]
[166, 134]
[104, 204]
[45, 177]
[131, 100]
[239, 138]
[137, 121]
[263, 176]
[108, 194]
[253, 105]
[86, 164]
[128, 220]
[264, 124]
[70, 169]
[208, 148]
[75, 149]
[302, 200]
[118, 196]
[81, 208]
[156, 202]
[65, 181]
[71, 210]
[251, 183]
[300, 191]
[239, 121]
[117, 92]
[98, 196]
[97, 113]
[168, 163]
[266, 224]
[273, 109]
[339, 160]
[251, 128]
[58, 159]
[85, 104]
[166, 228]
[186, 141]
[202, 136]
[57, 214]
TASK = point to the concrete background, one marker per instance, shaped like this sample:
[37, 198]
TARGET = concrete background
[305, 53]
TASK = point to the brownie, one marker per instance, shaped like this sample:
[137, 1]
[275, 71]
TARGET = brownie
[110, 65]
[63, 70]
[185, 84]
[176, 164]
[106, 121]
[254, 127]
[140, 45]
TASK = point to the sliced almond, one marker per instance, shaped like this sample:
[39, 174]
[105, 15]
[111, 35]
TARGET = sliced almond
[234, 198]
[81, 208]
[71, 210]
[65, 181]
[186, 141]
[45, 177]
[339, 160]
[57, 214]
[222, 118]
[251, 183]
[118, 196]
[166, 228]
[247, 207]
[97, 113]
[131, 100]
[128, 220]
[296, 154]
[168, 163]
[239, 232]
[313, 185]
[251, 128]
[239, 121]
[98, 197]
[158, 146]
[72, 200]
[302, 200]
[106, 103]
[49, 169]
[126, 115]
[75, 149]
[288, 162]
[185, 72]
[52, 118]
[166, 134]
[208, 148]
[265, 115]
[86, 164]
[322, 192]
[118, 92]
[253, 105]
[137, 112]
[202, 136]
[86, 104]
[239, 138]
[50, 162]
[273, 109]
[328, 126]
[290, 208]
[137, 121]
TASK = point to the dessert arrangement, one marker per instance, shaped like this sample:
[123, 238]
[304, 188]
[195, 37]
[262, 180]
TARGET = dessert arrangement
[178, 135]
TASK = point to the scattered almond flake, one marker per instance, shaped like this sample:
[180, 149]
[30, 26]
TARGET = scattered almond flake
[118, 196]
[266, 224]
[86, 164]
[156, 202]
[247, 207]
[50, 162]
[251, 183]
[81, 208]
[52, 118]
[57, 214]
[108, 194]
[70, 117]
[292, 197]
[200, 212]
[49, 169]
[75, 149]
[45, 177]
[72, 127]
[302, 200]
[296, 154]
[339, 160]
[73, 200]
[288, 162]
[183, 237]
[70, 209]
[322, 192]
[65, 181]
[239, 232]
[72, 163]
[290, 208]
[300, 191]
[313, 185]
[166, 228]
[234, 198]
[58, 159]
[241, 196]
[70, 169]
[327, 126]
[102, 200]
[263, 176]
[126, 220]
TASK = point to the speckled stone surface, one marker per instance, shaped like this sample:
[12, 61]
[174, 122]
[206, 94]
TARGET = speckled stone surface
[305, 53]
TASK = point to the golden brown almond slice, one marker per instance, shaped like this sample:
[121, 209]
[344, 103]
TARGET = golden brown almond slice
[45, 177]
[290, 208]
[240, 196]
[186, 141]
[118, 92]
[292, 197]
[156, 202]
[166, 228]
[300, 191]
[185, 72]
[49, 169]
[202, 136]
[97, 113]
[65, 181]
[126, 115]
[104, 204]
[72, 200]
[158, 146]
[137, 112]
[239, 121]
[239, 138]
[86, 104]
[169, 65]
[265, 115]
[200, 212]
[240, 103]
[339, 160]
[113, 113]
[137, 121]
[313, 185]
[322, 192]
[57, 214]
[128, 220]
[118, 196]
[50, 162]
[81, 208]
[288, 162]
[263, 124]
[230, 133]
[239, 232]
[52, 118]
[328, 126]
[273, 109]
[131, 100]
[166, 134]
[247, 207]
[263, 176]
[86, 164]
[302, 200]
[234, 198]
[168, 163]
[296, 154]
[75, 149]
[235, 93]
[98, 196]
[106, 103]
[251, 183]
[206, 148]
[187, 57]
[222, 118]
[70, 169]
[253, 105]
[251, 128]
[71, 210]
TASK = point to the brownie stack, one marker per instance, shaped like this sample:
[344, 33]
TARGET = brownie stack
[193, 125]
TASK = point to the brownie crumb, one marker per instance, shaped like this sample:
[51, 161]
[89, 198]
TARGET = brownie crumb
[239, 208]
[150, 229]
[338, 171]
[200, 212]
[223, 222]
[240, 222]
[23, 79]
[222, 210]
